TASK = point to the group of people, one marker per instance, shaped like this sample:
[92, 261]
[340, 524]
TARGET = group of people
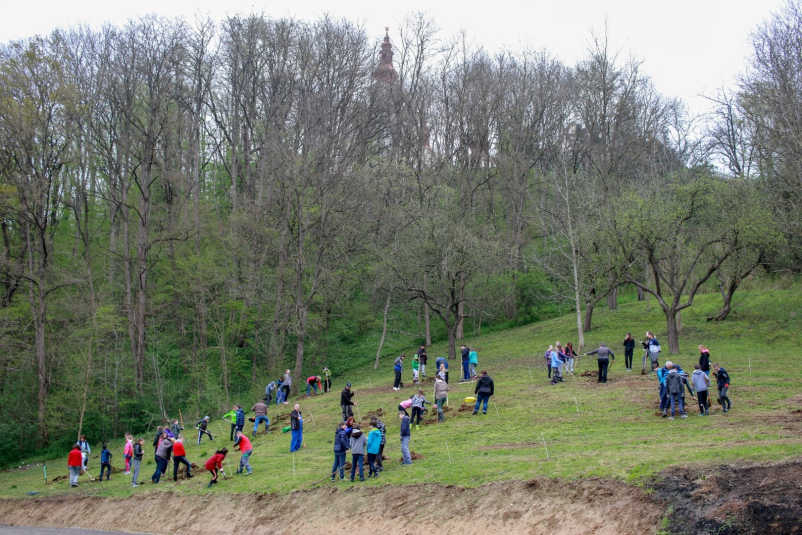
[559, 360]
[349, 436]
[673, 381]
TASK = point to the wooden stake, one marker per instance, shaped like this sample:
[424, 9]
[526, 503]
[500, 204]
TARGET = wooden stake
[448, 452]
[577, 405]
[544, 445]
[497, 413]
[181, 417]
[532, 377]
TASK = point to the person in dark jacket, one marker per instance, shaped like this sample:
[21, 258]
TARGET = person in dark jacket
[675, 387]
[136, 461]
[406, 457]
[422, 356]
[341, 445]
[466, 359]
[240, 419]
[484, 389]
[201, 427]
[704, 359]
[723, 384]
[398, 368]
[297, 427]
[604, 356]
[629, 350]
[105, 462]
[345, 401]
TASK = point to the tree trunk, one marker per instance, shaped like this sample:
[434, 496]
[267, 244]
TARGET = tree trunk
[673, 331]
[726, 295]
[612, 299]
[641, 295]
[460, 334]
[589, 306]
[426, 317]
[384, 330]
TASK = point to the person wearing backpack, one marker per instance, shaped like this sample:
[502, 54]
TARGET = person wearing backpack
[674, 387]
[701, 382]
[723, 384]
[654, 348]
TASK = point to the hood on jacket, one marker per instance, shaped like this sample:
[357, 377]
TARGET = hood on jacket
[356, 433]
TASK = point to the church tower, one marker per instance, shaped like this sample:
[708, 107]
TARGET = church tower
[385, 72]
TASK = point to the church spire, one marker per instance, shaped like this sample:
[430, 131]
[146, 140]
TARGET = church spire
[385, 72]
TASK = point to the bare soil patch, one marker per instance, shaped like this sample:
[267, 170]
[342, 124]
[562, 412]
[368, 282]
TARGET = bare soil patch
[537, 507]
[729, 500]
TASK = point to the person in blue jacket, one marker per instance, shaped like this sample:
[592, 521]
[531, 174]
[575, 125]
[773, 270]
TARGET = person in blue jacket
[105, 462]
[341, 445]
[373, 448]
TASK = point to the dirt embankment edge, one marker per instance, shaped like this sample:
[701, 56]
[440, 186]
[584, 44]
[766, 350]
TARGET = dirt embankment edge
[540, 506]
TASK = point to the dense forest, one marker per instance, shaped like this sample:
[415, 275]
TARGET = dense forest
[188, 208]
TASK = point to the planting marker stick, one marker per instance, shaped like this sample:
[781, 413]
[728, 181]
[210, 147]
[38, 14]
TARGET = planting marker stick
[532, 377]
[293, 465]
[577, 405]
[448, 452]
[496, 406]
[544, 445]
[750, 366]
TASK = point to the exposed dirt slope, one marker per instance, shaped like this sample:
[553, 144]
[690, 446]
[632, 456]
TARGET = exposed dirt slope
[541, 506]
[729, 500]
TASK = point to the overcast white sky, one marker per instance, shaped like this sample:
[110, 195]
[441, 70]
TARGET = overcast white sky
[689, 47]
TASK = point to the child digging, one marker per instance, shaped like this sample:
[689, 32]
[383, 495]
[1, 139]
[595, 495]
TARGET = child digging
[419, 402]
[215, 465]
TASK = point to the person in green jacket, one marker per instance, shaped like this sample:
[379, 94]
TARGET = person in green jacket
[415, 369]
[374, 446]
[473, 361]
[232, 417]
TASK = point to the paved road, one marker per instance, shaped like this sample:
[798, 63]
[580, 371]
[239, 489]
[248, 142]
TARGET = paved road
[26, 530]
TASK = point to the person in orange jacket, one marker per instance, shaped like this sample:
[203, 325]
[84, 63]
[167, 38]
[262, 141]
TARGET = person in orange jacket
[74, 463]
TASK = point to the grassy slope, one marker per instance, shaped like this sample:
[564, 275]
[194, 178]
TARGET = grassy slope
[615, 434]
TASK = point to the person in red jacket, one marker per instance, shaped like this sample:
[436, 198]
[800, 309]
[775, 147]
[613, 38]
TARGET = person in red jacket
[215, 465]
[74, 463]
[244, 445]
[180, 456]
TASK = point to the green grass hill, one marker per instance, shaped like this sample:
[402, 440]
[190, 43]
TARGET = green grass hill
[578, 429]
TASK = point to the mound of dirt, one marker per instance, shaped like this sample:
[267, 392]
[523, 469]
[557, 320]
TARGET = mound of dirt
[589, 373]
[730, 500]
[538, 507]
